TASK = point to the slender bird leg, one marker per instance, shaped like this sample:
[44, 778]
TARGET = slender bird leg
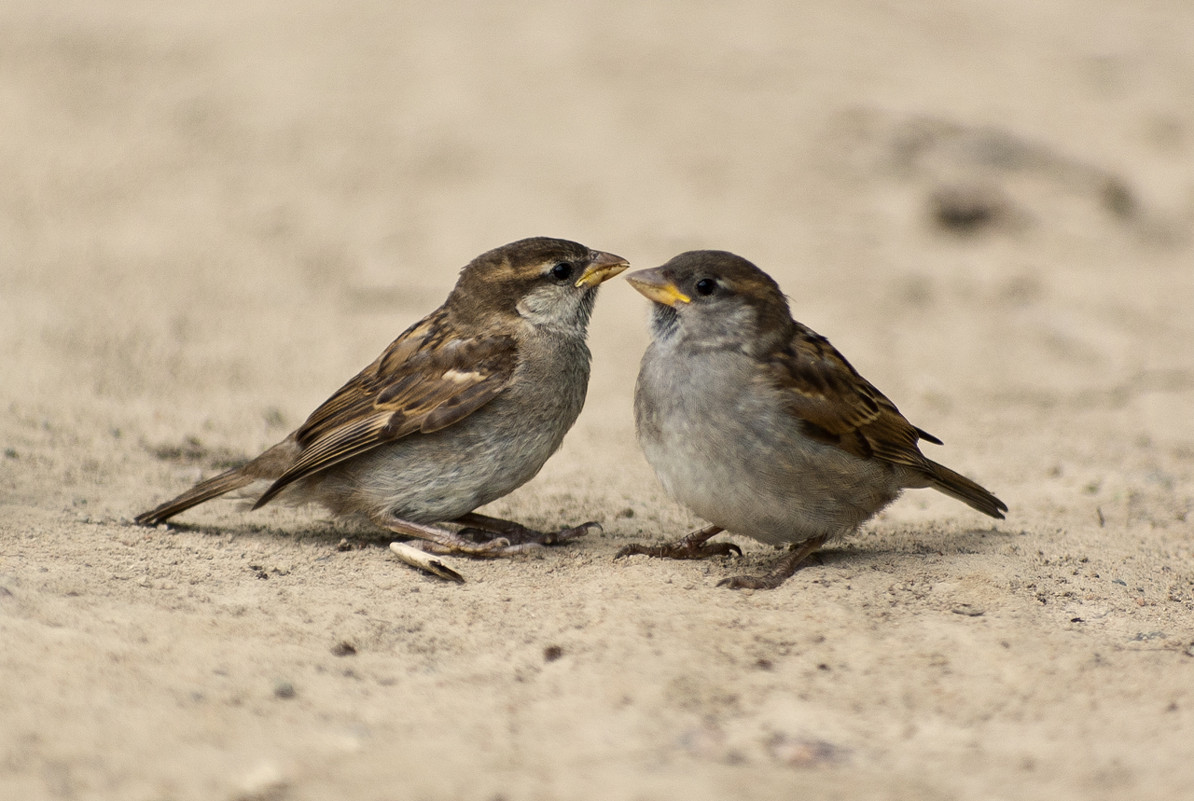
[787, 565]
[439, 540]
[516, 533]
[691, 547]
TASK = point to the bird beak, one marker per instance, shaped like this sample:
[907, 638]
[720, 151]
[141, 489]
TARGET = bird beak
[655, 287]
[602, 267]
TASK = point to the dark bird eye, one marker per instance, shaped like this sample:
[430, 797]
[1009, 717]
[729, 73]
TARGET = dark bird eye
[706, 286]
[562, 271]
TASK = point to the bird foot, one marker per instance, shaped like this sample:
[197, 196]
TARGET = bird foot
[694, 546]
[679, 550]
[455, 545]
[484, 537]
[433, 539]
[792, 561]
[481, 528]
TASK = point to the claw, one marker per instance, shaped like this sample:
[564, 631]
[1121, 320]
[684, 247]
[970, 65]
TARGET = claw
[789, 564]
[568, 534]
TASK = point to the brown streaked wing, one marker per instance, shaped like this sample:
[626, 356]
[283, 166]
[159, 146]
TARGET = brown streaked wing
[421, 383]
[358, 396]
[838, 406]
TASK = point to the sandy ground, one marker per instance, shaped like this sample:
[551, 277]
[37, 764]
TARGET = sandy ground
[211, 214]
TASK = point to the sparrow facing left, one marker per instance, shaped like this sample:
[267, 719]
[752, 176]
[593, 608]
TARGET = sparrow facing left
[462, 408]
[757, 424]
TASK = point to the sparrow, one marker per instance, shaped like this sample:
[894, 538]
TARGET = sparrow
[758, 425]
[462, 408]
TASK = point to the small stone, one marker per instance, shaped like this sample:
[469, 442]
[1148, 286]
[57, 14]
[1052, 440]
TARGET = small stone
[967, 609]
[284, 689]
[966, 209]
[804, 752]
[1118, 198]
[265, 782]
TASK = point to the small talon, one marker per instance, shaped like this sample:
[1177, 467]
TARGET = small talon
[495, 544]
[567, 534]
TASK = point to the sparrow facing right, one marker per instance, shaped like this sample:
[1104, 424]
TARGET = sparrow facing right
[757, 424]
[462, 408]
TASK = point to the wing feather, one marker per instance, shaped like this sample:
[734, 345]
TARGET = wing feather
[423, 382]
[837, 406]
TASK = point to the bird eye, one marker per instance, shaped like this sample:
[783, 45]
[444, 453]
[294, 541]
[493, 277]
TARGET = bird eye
[562, 271]
[706, 286]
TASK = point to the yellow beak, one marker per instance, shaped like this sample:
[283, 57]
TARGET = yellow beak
[603, 267]
[655, 287]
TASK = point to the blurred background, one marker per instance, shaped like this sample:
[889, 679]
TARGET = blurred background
[986, 205]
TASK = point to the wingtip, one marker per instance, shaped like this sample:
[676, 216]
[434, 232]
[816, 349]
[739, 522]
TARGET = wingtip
[272, 492]
[157, 515]
[927, 437]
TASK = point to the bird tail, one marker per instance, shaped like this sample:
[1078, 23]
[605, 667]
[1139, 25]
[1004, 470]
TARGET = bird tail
[968, 492]
[203, 491]
[266, 467]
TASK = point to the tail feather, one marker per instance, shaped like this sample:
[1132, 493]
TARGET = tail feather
[203, 491]
[268, 466]
[968, 492]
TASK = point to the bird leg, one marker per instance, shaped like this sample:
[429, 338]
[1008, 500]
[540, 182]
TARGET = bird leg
[691, 547]
[487, 537]
[434, 539]
[787, 565]
[478, 526]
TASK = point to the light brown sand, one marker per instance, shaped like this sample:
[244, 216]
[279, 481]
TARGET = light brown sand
[214, 213]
